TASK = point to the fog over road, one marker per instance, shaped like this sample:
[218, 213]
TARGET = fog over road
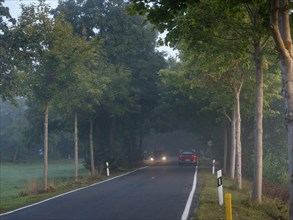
[154, 192]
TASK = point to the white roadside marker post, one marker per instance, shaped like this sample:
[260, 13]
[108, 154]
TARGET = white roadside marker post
[213, 170]
[220, 187]
[108, 171]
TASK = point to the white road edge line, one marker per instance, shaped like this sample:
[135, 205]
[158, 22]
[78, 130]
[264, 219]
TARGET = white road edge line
[63, 194]
[189, 201]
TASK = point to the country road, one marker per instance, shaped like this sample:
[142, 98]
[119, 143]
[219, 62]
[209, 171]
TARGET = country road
[151, 193]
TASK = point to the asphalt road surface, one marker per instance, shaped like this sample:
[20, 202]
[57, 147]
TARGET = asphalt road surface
[151, 193]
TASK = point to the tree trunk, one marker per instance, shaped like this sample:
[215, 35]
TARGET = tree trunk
[140, 144]
[92, 150]
[45, 178]
[238, 141]
[131, 148]
[15, 155]
[112, 134]
[290, 153]
[280, 27]
[233, 145]
[76, 146]
[258, 128]
[287, 69]
[225, 149]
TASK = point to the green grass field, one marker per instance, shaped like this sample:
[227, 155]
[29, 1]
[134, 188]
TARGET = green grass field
[21, 184]
[18, 178]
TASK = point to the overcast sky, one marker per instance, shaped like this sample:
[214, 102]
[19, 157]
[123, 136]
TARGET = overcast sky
[14, 5]
[14, 9]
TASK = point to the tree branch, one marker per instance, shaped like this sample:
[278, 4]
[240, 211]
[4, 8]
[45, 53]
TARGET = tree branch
[225, 113]
[275, 9]
[262, 46]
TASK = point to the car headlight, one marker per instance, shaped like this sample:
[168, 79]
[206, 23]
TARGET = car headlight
[164, 158]
[151, 159]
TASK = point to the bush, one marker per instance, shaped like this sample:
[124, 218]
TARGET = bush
[275, 167]
[276, 191]
[114, 156]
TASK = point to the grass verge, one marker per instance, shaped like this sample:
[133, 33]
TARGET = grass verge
[24, 200]
[242, 205]
[21, 183]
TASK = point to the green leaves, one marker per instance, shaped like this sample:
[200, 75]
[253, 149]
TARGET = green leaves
[10, 78]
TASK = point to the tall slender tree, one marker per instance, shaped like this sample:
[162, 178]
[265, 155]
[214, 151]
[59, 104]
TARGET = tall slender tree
[34, 28]
[281, 32]
[90, 76]
[38, 38]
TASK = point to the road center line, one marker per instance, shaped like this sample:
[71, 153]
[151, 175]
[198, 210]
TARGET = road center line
[189, 201]
[63, 194]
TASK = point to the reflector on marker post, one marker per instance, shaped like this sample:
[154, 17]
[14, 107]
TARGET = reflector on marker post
[213, 170]
[220, 187]
[108, 172]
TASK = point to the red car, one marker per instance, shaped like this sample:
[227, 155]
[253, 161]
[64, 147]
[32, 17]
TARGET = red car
[187, 157]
